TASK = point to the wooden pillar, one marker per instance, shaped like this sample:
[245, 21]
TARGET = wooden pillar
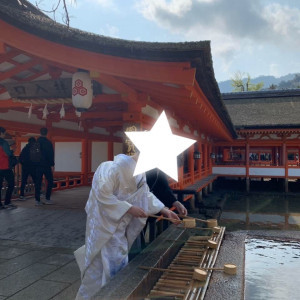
[84, 160]
[247, 152]
[285, 164]
[191, 163]
[205, 159]
[210, 160]
[210, 187]
[180, 177]
[199, 161]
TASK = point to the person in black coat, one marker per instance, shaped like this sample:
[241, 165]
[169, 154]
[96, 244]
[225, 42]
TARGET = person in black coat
[44, 167]
[28, 168]
[159, 186]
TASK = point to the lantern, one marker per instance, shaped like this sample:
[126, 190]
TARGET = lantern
[82, 91]
[197, 155]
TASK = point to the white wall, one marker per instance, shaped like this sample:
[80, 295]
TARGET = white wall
[229, 171]
[118, 148]
[294, 172]
[99, 154]
[67, 156]
[266, 171]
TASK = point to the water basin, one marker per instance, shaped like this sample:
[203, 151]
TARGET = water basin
[272, 269]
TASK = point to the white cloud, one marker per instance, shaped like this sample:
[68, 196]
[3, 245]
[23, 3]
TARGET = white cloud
[110, 30]
[274, 69]
[104, 3]
[232, 26]
[284, 24]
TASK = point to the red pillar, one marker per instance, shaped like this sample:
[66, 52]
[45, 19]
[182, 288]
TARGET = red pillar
[191, 163]
[199, 161]
[110, 151]
[84, 160]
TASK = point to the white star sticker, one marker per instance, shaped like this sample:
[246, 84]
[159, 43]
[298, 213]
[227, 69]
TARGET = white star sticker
[159, 148]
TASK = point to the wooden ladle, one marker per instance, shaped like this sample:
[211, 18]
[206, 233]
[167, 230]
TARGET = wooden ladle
[228, 269]
[210, 222]
[164, 218]
[198, 273]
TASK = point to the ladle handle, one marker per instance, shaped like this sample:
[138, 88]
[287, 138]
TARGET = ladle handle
[188, 217]
[164, 218]
[165, 270]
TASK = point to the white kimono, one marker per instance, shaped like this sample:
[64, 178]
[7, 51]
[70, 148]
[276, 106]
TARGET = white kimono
[110, 230]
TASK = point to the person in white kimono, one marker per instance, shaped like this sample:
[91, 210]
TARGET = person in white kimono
[117, 210]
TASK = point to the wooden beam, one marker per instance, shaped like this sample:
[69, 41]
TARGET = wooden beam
[129, 94]
[104, 124]
[167, 72]
[107, 98]
[18, 69]
[2, 48]
[159, 88]
[11, 104]
[24, 128]
[4, 56]
[95, 115]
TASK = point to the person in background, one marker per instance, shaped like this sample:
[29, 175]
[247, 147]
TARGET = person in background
[117, 209]
[44, 167]
[28, 168]
[5, 170]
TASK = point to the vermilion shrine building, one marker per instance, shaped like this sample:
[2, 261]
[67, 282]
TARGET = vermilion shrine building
[133, 82]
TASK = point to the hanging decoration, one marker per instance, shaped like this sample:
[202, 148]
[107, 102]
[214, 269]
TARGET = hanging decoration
[62, 111]
[45, 112]
[30, 111]
[82, 92]
[78, 113]
[79, 125]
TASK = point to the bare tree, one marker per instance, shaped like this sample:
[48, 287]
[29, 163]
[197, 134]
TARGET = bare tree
[56, 7]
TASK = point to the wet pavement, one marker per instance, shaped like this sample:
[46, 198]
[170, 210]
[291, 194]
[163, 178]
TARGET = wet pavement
[37, 245]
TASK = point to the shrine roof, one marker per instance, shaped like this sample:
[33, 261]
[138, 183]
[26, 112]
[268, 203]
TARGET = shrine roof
[262, 109]
[23, 15]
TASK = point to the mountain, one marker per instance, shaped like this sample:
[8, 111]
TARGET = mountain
[225, 86]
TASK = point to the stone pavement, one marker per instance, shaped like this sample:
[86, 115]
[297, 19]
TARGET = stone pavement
[37, 245]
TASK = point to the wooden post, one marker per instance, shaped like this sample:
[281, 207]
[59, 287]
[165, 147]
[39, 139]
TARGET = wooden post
[285, 164]
[84, 160]
[191, 163]
[247, 152]
[205, 158]
[210, 160]
[199, 161]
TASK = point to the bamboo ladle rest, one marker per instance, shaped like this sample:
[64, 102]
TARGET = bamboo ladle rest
[198, 273]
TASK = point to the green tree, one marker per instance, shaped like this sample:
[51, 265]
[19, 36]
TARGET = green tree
[290, 84]
[242, 84]
[273, 87]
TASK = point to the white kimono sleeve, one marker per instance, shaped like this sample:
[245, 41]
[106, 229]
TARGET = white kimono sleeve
[104, 212]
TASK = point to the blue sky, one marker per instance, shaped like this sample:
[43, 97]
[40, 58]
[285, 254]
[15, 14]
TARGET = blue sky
[259, 37]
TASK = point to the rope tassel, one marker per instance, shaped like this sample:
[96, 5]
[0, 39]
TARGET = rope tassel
[45, 112]
[30, 111]
[62, 111]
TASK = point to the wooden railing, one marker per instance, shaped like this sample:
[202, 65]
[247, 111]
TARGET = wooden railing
[67, 180]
